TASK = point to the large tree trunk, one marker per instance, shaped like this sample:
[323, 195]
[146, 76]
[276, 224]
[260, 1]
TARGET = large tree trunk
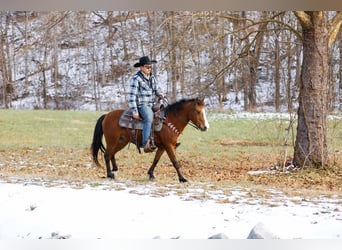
[311, 144]
[340, 74]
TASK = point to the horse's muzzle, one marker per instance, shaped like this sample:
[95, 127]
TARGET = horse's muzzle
[202, 128]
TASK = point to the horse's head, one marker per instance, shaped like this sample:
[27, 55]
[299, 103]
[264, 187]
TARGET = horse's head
[197, 115]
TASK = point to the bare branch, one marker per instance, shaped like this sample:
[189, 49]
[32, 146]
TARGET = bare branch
[335, 26]
[304, 18]
[65, 14]
[255, 23]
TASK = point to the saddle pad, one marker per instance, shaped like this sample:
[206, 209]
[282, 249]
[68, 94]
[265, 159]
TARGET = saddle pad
[126, 122]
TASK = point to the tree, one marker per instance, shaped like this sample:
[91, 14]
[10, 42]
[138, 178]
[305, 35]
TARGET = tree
[318, 34]
[340, 74]
[4, 58]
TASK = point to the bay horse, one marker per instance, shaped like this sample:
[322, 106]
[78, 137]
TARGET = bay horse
[177, 116]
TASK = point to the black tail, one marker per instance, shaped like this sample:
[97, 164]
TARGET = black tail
[97, 140]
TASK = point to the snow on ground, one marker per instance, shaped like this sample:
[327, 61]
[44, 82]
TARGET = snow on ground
[34, 211]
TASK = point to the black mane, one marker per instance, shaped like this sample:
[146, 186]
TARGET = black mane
[178, 105]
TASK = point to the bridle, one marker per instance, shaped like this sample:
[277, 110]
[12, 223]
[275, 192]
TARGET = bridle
[193, 125]
[175, 129]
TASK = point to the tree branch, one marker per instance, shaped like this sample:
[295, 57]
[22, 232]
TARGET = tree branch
[334, 27]
[304, 18]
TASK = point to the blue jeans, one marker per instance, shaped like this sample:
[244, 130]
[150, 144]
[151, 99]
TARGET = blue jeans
[147, 114]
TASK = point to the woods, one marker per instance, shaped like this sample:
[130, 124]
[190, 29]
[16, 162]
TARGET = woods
[64, 60]
[239, 60]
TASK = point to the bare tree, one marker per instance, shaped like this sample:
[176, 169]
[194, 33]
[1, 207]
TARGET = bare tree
[4, 58]
[319, 32]
[277, 60]
[211, 53]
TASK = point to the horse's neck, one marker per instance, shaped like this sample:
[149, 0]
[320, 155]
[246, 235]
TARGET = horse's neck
[178, 121]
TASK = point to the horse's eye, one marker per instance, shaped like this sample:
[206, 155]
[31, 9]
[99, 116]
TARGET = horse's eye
[198, 112]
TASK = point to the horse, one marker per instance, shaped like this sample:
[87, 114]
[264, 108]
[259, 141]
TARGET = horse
[177, 116]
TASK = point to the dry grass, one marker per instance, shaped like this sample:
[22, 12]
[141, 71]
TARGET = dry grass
[74, 165]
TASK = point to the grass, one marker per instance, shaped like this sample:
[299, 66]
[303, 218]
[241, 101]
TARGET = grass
[55, 145]
[35, 128]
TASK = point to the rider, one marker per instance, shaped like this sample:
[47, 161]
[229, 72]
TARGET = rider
[142, 91]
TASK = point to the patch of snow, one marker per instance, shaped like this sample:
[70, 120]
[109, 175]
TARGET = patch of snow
[30, 211]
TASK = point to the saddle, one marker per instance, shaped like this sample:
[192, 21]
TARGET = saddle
[127, 121]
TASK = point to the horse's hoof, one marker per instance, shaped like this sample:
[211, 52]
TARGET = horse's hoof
[111, 176]
[152, 178]
[182, 180]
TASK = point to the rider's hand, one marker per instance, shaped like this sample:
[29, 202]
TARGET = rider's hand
[136, 116]
[161, 95]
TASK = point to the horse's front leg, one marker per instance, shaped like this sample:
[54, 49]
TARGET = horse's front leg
[155, 162]
[172, 155]
[180, 176]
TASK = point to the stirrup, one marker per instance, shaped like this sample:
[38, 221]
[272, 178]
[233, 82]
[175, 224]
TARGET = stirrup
[153, 146]
[147, 148]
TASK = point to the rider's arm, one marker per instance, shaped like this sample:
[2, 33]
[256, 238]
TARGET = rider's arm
[132, 96]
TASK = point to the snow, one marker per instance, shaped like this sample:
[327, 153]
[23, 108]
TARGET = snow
[32, 210]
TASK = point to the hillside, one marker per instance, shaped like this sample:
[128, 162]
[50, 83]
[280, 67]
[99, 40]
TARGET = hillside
[83, 60]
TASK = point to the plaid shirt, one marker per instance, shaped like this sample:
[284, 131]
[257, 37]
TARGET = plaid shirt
[142, 91]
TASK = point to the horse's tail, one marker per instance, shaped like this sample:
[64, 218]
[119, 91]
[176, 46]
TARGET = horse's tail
[97, 140]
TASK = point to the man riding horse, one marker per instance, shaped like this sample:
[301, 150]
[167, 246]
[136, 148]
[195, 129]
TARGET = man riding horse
[143, 89]
[114, 126]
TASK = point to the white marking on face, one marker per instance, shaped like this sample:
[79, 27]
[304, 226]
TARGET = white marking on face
[206, 123]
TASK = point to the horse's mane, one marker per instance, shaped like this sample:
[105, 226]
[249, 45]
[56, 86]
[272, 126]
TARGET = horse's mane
[178, 105]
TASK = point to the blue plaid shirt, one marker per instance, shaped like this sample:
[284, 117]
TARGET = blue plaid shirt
[142, 91]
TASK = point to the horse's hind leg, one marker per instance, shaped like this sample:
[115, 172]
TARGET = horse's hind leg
[115, 167]
[108, 157]
[155, 162]
[111, 158]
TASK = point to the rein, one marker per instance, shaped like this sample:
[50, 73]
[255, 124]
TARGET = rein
[193, 125]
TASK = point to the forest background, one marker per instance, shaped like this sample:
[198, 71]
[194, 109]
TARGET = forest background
[82, 60]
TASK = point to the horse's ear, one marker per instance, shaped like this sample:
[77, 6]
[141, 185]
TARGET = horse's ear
[200, 100]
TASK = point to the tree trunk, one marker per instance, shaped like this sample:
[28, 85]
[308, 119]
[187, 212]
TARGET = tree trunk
[93, 78]
[340, 74]
[3, 64]
[311, 144]
[173, 57]
[26, 84]
[288, 84]
[44, 82]
[277, 74]
[253, 62]
[55, 69]
[253, 56]
[182, 72]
